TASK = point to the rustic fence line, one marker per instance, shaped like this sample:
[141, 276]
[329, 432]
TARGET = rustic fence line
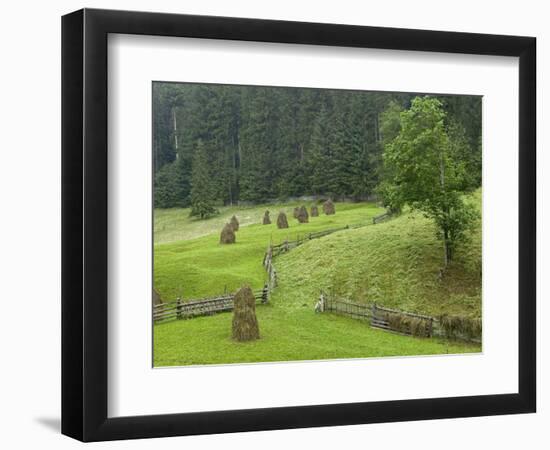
[179, 309]
[403, 322]
[270, 269]
[382, 217]
[287, 245]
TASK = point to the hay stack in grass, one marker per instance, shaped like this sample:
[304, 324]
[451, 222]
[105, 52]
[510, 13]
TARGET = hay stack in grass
[228, 235]
[156, 298]
[281, 220]
[314, 211]
[303, 216]
[296, 211]
[328, 208]
[234, 223]
[266, 220]
[245, 324]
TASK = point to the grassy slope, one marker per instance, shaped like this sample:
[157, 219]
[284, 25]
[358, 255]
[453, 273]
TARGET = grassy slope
[397, 261]
[200, 266]
[395, 264]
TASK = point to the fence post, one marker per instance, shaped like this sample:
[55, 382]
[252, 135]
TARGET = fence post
[178, 308]
[264, 293]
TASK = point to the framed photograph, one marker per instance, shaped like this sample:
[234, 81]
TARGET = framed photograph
[273, 224]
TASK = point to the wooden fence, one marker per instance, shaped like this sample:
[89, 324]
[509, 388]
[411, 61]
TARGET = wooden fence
[285, 246]
[381, 217]
[204, 307]
[270, 269]
[393, 320]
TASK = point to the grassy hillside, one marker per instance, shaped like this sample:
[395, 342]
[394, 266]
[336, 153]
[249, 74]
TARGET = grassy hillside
[200, 266]
[394, 263]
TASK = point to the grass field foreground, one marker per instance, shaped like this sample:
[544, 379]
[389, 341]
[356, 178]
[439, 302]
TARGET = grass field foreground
[394, 263]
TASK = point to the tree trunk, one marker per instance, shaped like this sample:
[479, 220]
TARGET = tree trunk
[447, 248]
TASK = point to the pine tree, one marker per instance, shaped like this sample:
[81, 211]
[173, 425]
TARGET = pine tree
[202, 186]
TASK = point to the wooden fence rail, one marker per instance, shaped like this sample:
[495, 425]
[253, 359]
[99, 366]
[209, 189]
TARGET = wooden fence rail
[381, 217]
[179, 309]
[285, 246]
[393, 320]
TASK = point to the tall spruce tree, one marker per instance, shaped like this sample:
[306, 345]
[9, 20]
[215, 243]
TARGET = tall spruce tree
[202, 185]
[269, 142]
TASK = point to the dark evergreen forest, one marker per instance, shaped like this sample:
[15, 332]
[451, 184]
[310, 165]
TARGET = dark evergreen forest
[247, 144]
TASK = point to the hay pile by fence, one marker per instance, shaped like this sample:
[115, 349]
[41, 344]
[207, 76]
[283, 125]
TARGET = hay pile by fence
[328, 208]
[406, 324]
[245, 324]
[282, 222]
[457, 327]
[156, 298]
[314, 211]
[266, 220]
[302, 216]
[234, 223]
[227, 235]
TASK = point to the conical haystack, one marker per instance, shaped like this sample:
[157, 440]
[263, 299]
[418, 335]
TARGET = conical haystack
[245, 324]
[296, 211]
[314, 211]
[228, 235]
[281, 220]
[234, 223]
[328, 208]
[303, 216]
[266, 220]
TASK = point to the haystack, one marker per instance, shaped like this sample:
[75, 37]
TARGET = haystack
[234, 223]
[296, 212]
[228, 235]
[281, 220]
[314, 211]
[156, 298]
[303, 216]
[245, 324]
[328, 208]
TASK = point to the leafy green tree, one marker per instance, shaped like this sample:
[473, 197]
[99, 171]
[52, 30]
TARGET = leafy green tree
[271, 142]
[202, 185]
[425, 173]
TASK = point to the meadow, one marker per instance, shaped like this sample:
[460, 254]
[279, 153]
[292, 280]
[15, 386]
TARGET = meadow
[395, 263]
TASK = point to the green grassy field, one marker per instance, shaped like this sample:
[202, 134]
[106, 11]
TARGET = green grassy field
[199, 266]
[394, 263]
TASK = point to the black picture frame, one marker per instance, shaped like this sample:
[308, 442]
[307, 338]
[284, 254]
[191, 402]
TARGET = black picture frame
[84, 224]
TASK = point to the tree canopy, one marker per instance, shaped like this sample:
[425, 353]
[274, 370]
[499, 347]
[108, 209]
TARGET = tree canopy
[264, 143]
[426, 169]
